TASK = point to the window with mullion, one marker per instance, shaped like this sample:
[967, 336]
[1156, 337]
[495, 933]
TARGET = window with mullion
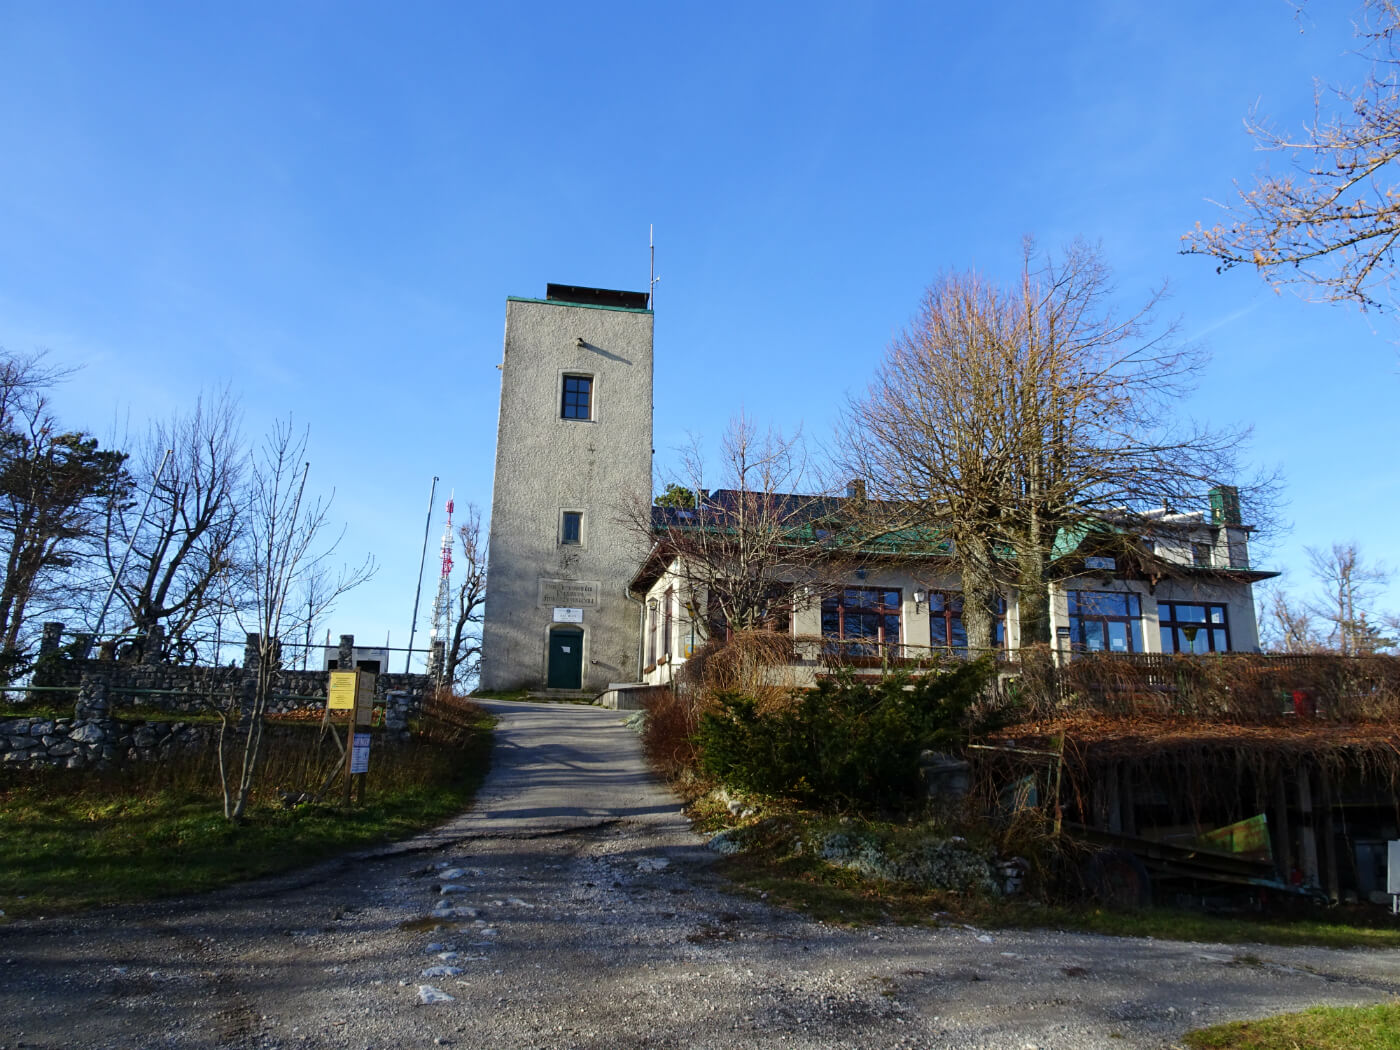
[1194, 627]
[865, 616]
[577, 400]
[1105, 621]
[946, 630]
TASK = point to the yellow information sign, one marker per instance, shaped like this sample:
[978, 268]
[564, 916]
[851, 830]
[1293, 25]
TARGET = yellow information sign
[341, 695]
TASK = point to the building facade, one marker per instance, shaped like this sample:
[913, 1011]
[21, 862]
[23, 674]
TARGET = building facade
[1181, 584]
[573, 446]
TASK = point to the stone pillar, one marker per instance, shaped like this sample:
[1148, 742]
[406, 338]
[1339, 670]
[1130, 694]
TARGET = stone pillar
[345, 658]
[82, 645]
[52, 637]
[92, 705]
[45, 673]
[154, 643]
[251, 659]
[107, 650]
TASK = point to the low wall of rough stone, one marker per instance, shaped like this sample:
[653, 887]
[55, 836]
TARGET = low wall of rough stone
[73, 743]
[189, 690]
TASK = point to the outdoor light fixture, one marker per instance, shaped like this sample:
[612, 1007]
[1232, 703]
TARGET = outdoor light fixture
[920, 596]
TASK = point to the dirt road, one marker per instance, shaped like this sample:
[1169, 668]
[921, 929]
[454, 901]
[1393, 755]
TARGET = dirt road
[573, 908]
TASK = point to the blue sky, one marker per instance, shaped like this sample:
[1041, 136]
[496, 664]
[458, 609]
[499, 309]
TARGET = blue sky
[326, 204]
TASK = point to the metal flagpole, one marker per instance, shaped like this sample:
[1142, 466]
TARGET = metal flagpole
[413, 624]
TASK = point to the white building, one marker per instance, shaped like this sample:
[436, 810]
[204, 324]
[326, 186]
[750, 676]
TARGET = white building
[1182, 583]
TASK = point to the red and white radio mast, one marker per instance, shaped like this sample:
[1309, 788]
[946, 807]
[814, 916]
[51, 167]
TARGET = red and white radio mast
[442, 604]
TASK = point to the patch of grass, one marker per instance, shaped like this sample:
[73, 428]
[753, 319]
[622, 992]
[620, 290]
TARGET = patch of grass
[1179, 925]
[502, 694]
[1322, 1028]
[37, 710]
[74, 840]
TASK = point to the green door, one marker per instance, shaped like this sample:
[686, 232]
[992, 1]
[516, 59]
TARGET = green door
[565, 658]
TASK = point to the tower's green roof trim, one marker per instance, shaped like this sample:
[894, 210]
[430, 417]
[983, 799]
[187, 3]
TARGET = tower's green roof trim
[576, 306]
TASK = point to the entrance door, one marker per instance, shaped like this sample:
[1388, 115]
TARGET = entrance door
[565, 658]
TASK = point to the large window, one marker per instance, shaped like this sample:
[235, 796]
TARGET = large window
[774, 612]
[946, 629]
[578, 398]
[1105, 621]
[1194, 627]
[865, 617]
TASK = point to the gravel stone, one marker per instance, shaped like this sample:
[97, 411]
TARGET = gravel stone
[607, 953]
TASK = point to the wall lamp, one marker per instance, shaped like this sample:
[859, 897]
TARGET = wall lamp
[920, 596]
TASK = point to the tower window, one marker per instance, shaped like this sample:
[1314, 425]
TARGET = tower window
[578, 398]
[572, 530]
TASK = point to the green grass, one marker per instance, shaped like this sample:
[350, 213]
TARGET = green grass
[74, 841]
[1322, 1028]
[502, 694]
[1323, 930]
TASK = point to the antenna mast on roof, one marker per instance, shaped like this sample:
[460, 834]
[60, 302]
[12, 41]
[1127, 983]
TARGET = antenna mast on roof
[651, 282]
[442, 604]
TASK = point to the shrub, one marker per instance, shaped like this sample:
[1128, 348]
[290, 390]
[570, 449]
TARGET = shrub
[667, 732]
[843, 742]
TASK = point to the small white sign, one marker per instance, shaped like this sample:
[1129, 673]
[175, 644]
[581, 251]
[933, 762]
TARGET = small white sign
[568, 615]
[1100, 563]
[359, 754]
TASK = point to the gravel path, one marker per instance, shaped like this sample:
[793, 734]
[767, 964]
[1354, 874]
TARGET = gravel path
[574, 908]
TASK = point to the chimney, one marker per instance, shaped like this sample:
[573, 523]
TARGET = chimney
[855, 488]
[1225, 505]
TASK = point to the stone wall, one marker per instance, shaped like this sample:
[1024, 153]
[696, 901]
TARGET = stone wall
[190, 690]
[80, 743]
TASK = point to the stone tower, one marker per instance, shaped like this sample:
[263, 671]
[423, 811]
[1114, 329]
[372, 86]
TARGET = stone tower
[573, 444]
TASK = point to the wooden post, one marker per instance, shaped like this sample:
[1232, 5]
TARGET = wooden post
[1113, 799]
[1329, 839]
[1307, 838]
[1283, 836]
[349, 753]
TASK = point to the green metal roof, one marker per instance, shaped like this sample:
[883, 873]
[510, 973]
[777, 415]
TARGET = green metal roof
[575, 306]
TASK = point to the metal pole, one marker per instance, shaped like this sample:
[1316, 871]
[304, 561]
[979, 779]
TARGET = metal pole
[422, 558]
[116, 577]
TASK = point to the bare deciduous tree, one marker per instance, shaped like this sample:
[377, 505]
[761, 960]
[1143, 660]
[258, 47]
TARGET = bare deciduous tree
[288, 574]
[1286, 625]
[1332, 220]
[185, 551]
[751, 550]
[462, 656]
[1350, 587]
[1012, 419]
